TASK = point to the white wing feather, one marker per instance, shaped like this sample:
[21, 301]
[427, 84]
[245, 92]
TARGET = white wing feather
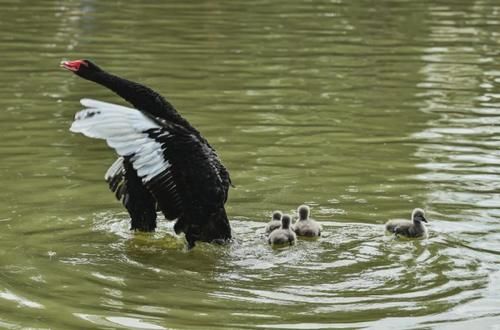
[123, 128]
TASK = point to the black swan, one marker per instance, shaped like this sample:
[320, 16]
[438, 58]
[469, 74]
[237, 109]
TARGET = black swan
[165, 164]
[413, 228]
[283, 235]
[306, 226]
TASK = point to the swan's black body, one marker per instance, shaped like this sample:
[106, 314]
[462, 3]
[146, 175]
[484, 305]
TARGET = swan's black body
[194, 186]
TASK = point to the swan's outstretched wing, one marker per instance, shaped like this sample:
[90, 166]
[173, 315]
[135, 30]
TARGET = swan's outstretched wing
[178, 169]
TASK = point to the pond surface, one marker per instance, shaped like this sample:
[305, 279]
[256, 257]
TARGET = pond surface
[361, 109]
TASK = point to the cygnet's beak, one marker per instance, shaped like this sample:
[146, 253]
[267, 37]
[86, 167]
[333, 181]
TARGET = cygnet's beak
[424, 219]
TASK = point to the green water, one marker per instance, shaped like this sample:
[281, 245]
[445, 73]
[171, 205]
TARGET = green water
[361, 109]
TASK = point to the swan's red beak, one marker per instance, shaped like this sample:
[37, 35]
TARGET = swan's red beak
[73, 65]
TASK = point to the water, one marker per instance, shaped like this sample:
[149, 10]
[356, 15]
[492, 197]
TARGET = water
[362, 110]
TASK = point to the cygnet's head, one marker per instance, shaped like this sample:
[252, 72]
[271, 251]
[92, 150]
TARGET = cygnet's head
[303, 212]
[285, 221]
[277, 215]
[418, 215]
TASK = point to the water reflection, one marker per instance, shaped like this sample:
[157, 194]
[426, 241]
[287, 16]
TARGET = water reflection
[458, 149]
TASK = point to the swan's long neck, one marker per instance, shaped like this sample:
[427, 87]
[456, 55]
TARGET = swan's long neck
[142, 98]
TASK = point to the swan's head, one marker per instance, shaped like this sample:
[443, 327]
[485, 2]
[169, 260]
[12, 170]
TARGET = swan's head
[303, 212]
[277, 215]
[82, 68]
[418, 215]
[285, 221]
